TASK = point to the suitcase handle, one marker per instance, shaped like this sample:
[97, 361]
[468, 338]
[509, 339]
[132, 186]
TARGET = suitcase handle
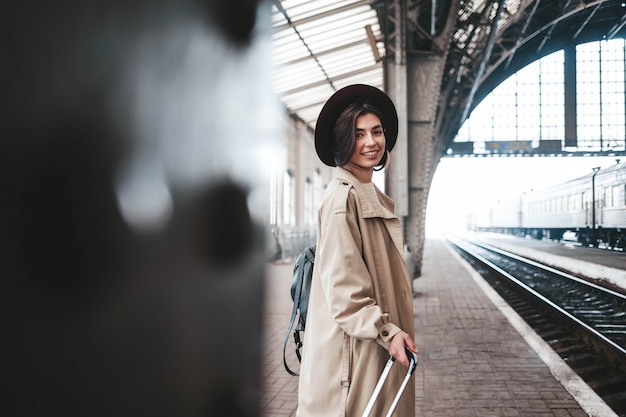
[412, 365]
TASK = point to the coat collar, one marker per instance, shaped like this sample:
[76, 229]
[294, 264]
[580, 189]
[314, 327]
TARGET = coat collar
[374, 203]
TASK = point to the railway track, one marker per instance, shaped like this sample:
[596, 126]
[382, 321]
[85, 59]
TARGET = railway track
[584, 323]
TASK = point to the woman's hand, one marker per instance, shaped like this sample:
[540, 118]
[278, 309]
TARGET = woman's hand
[397, 346]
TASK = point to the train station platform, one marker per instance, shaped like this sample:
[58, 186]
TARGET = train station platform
[607, 267]
[477, 357]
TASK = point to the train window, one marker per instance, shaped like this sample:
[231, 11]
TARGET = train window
[570, 203]
[615, 196]
[580, 201]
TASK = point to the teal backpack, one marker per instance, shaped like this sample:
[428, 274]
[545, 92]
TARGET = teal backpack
[300, 289]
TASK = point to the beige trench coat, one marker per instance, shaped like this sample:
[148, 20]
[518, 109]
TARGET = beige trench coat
[360, 298]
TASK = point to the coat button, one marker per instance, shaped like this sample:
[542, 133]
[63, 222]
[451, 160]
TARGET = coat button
[385, 333]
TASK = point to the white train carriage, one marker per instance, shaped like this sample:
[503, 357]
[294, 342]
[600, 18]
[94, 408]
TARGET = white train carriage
[503, 217]
[593, 207]
[553, 211]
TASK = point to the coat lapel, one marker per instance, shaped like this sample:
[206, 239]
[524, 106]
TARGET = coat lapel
[375, 204]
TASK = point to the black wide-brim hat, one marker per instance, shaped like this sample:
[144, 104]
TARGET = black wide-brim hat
[338, 102]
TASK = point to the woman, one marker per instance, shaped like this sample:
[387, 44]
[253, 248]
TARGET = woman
[361, 304]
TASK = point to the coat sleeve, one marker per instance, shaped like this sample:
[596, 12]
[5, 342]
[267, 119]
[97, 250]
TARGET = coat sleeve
[346, 281]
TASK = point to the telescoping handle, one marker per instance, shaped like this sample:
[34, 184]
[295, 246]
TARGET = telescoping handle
[412, 365]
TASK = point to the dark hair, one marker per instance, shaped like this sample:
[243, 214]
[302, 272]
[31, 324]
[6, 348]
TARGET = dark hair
[344, 133]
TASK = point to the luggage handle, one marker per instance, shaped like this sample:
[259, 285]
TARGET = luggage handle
[412, 365]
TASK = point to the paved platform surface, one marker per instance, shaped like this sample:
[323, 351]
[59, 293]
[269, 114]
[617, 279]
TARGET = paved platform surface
[475, 359]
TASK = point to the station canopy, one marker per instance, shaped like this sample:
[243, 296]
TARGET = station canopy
[320, 46]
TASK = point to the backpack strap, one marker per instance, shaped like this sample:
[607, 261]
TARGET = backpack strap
[307, 281]
[310, 253]
[294, 312]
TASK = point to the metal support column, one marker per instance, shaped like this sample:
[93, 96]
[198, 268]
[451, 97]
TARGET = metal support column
[413, 79]
[395, 85]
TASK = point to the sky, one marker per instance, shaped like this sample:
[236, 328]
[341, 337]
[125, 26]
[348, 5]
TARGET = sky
[461, 185]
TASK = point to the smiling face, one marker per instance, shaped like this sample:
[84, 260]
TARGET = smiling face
[369, 147]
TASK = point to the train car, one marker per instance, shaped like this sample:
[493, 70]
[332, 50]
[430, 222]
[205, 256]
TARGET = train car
[593, 207]
[502, 217]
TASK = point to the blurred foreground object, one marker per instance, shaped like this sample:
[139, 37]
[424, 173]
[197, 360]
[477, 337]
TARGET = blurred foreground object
[130, 239]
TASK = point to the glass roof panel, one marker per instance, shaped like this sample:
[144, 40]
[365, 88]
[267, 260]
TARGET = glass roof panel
[319, 46]
[307, 10]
